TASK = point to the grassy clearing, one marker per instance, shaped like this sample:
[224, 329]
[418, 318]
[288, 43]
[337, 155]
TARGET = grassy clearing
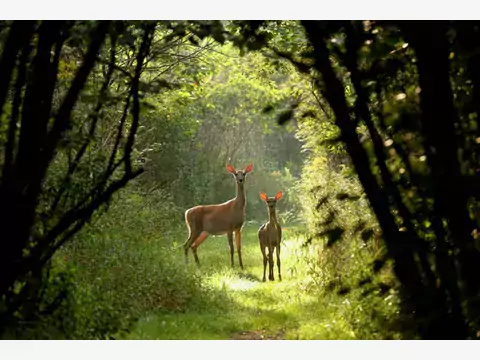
[235, 304]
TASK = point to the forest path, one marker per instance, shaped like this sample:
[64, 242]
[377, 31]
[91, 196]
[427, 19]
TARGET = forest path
[235, 304]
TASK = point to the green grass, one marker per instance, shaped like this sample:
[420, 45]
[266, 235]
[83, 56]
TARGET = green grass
[232, 302]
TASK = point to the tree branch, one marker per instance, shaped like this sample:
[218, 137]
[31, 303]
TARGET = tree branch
[142, 54]
[63, 116]
[102, 98]
[17, 101]
[18, 36]
[405, 267]
[80, 216]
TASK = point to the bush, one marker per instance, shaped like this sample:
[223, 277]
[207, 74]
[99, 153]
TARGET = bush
[343, 243]
[116, 269]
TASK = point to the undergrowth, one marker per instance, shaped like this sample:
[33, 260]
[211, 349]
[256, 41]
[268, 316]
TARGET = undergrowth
[125, 278]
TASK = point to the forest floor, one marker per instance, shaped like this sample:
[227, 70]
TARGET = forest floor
[245, 308]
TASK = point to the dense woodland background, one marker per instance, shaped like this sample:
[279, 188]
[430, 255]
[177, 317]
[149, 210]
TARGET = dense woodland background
[110, 130]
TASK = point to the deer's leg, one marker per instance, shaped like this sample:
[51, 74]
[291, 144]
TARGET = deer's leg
[278, 263]
[197, 243]
[186, 246]
[191, 237]
[238, 241]
[270, 263]
[264, 261]
[230, 244]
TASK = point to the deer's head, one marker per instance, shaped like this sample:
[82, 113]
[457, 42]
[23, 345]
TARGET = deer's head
[239, 175]
[271, 201]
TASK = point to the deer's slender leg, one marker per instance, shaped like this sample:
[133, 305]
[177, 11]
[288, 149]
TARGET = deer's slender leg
[230, 244]
[197, 243]
[238, 241]
[186, 246]
[191, 237]
[271, 277]
[278, 263]
[264, 261]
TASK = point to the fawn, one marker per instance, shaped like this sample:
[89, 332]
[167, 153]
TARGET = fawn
[270, 236]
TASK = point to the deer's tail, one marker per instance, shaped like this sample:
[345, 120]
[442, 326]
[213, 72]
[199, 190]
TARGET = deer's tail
[188, 221]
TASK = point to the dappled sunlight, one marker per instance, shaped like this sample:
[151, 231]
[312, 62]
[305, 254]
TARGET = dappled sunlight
[227, 282]
[235, 303]
[323, 144]
[239, 285]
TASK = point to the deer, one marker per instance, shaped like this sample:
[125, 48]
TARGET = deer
[220, 219]
[270, 236]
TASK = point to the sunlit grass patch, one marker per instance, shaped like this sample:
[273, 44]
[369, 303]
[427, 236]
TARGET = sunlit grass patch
[244, 301]
[232, 303]
[232, 283]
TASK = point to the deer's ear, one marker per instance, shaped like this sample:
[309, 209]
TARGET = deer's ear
[279, 195]
[263, 196]
[231, 169]
[248, 168]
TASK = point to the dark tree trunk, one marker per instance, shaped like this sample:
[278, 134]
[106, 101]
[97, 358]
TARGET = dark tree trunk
[438, 117]
[401, 246]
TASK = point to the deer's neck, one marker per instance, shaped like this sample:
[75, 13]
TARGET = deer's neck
[240, 199]
[272, 217]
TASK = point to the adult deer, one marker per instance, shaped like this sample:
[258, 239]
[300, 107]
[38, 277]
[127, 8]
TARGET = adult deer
[270, 236]
[220, 219]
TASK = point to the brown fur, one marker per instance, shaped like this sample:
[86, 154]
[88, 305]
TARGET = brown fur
[270, 237]
[226, 218]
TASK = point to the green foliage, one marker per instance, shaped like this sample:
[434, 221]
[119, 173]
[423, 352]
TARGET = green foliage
[53, 174]
[219, 120]
[203, 103]
[126, 263]
[335, 208]
[238, 305]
